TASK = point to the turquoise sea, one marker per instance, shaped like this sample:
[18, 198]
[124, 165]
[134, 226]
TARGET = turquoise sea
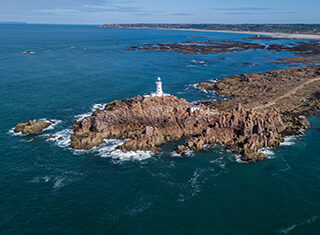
[47, 188]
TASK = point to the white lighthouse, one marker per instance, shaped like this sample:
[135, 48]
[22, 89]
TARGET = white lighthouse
[159, 92]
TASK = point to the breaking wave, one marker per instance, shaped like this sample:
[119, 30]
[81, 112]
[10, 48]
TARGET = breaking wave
[189, 153]
[290, 228]
[238, 159]
[197, 63]
[109, 150]
[195, 85]
[62, 138]
[53, 123]
[288, 140]
[56, 181]
[94, 108]
[267, 151]
[11, 132]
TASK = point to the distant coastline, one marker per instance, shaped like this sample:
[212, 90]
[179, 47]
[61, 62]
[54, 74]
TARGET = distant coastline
[277, 31]
[276, 35]
[11, 22]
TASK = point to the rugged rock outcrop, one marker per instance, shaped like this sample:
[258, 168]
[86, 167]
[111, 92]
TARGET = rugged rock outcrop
[200, 47]
[260, 110]
[206, 85]
[147, 122]
[31, 127]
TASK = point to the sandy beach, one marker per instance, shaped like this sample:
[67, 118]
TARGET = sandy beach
[276, 35]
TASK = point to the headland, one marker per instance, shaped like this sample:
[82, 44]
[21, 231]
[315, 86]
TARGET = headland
[258, 110]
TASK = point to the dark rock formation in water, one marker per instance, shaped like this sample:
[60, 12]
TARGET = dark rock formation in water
[206, 85]
[148, 122]
[274, 104]
[31, 127]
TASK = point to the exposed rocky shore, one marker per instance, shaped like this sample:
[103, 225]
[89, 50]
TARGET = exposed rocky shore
[200, 47]
[31, 127]
[260, 111]
[309, 48]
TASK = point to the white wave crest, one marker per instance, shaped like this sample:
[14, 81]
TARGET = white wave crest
[93, 108]
[82, 116]
[59, 182]
[118, 155]
[195, 85]
[45, 179]
[53, 123]
[290, 228]
[214, 81]
[62, 138]
[189, 153]
[13, 133]
[108, 150]
[238, 158]
[288, 140]
[198, 63]
[267, 151]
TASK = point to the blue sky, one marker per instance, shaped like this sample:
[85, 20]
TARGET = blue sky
[160, 11]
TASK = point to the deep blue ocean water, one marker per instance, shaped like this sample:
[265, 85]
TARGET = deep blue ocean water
[46, 188]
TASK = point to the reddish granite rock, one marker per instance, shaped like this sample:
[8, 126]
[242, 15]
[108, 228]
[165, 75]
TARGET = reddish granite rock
[261, 110]
[148, 122]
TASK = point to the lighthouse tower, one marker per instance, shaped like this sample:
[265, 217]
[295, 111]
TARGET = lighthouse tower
[159, 91]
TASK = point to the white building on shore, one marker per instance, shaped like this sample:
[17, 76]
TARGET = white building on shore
[159, 92]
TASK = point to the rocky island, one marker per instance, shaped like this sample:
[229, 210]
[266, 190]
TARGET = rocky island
[261, 109]
[32, 127]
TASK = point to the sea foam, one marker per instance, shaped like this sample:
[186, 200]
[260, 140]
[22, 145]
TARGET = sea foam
[198, 63]
[189, 153]
[288, 140]
[13, 133]
[195, 85]
[106, 150]
[267, 151]
[308, 221]
[238, 159]
[109, 150]
[93, 108]
[54, 123]
[62, 138]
